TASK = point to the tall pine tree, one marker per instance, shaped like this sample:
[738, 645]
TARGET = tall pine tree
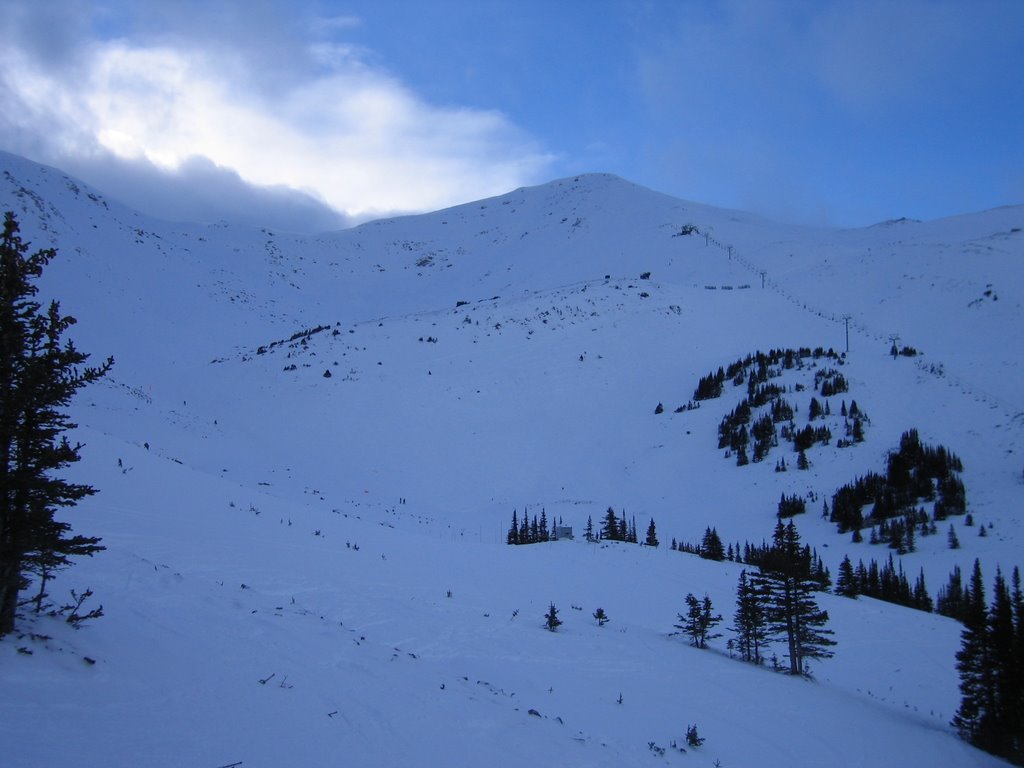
[991, 713]
[793, 613]
[39, 374]
[610, 527]
[972, 661]
[750, 619]
[652, 535]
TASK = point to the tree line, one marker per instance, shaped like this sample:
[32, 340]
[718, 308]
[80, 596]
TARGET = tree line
[613, 528]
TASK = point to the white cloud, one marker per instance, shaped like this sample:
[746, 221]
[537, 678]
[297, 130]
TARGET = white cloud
[337, 127]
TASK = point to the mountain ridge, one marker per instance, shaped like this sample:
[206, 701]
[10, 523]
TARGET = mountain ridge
[263, 518]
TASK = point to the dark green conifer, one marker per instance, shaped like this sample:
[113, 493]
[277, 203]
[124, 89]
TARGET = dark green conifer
[698, 621]
[551, 620]
[39, 375]
[711, 545]
[793, 613]
[652, 535]
[846, 583]
[750, 619]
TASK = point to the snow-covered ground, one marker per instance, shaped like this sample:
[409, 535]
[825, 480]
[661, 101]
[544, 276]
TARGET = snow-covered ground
[305, 569]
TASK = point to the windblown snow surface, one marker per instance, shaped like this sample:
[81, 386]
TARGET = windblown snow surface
[306, 569]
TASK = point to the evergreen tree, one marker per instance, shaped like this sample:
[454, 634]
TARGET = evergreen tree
[601, 616]
[950, 600]
[524, 527]
[711, 545]
[991, 714]
[922, 601]
[896, 537]
[708, 621]
[39, 375]
[693, 739]
[750, 618]
[741, 457]
[846, 584]
[792, 610]
[588, 532]
[972, 662]
[551, 620]
[1015, 709]
[858, 430]
[999, 731]
[610, 527]
[698, 620]
[814, 411]
[652, 535]
[513, 531]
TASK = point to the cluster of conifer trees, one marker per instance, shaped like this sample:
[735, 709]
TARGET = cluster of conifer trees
[711, 386]
[530, 532]
[914, 473]
[773, 603]
[613, 528]
[777, 603]
[710, 547]
[740, 427]
[759, 555]
[830, 382]
[886, 582]
[791, 505]
[617, 528]
[991, 666]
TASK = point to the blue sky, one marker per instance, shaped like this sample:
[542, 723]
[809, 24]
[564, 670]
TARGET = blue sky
[313, 115]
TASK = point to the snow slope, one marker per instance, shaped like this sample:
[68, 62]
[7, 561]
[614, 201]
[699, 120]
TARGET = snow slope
[264, 519]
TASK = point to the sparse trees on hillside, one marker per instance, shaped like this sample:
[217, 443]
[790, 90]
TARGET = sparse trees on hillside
[39, 375]
[527, 532]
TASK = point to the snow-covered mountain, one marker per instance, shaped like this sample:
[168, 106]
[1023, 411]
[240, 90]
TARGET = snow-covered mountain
[310, 449]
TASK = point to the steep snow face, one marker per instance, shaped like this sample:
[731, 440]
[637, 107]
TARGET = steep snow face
[308, 442]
